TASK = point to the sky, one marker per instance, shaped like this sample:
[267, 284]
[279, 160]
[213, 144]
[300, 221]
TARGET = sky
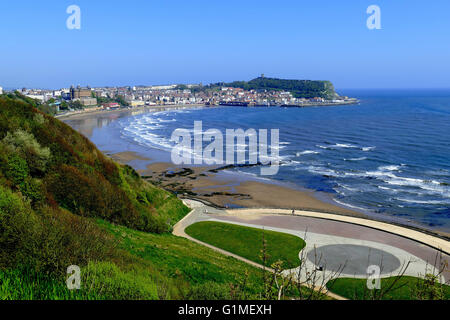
[153, 42]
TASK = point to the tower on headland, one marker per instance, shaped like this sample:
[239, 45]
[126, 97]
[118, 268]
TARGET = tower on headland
[262, 75]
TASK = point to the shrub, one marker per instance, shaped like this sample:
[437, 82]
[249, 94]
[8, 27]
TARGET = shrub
[67, 239]
[17, 169]
[19, 228]
[93, 196]
[431, 289]
[24, 144]
[39, 119]
[75, 191]
[50, 240]
[32, 189]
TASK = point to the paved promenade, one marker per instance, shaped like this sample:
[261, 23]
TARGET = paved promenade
[336, 242]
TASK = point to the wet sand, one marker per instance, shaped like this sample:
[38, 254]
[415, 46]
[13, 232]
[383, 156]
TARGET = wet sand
[89, 114]
[127, 156]
[226, 190]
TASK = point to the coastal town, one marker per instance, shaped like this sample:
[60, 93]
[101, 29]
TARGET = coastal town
[80, 98]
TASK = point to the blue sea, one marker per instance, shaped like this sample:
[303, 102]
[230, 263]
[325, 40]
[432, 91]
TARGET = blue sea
[388, 155]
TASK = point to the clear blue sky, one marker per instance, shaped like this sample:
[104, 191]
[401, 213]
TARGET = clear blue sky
[168, 41]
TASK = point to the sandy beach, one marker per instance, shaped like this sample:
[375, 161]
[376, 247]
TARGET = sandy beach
[92, 113]
[209, 183]
[226, 190]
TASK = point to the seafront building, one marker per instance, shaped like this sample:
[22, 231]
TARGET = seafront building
[137, 96]
[84, 95]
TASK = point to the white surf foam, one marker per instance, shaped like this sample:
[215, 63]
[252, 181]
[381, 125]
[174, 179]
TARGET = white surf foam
[298, 154]
[423, 201]
[356, 159]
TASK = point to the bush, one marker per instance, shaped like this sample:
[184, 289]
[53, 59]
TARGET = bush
[32, 189]
[19, 228]
[91, 195]
[67, 239]
[50, 240]
[25, 145]
[17, 169]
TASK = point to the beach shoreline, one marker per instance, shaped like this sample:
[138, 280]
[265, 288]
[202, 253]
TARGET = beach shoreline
[222, 188]
[88, 113]
[226, 190]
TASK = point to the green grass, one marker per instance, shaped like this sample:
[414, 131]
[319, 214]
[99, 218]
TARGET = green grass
[99, 281]
[22, 285]
[403, 289]
[248, 242]
[183, 262]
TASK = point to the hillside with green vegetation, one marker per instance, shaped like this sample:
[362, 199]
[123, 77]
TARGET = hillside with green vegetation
[299, 88]
[63, 203]
[53, 183]
[53, 166]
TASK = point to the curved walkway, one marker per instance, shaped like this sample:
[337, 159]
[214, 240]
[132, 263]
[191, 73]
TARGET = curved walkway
[195, 216]
[198, 214]
[340, 232]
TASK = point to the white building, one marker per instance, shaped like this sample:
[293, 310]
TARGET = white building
[1, 90]
[39, 97]
[172, 86]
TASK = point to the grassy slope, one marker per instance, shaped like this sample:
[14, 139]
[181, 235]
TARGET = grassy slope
[199, 267]
[146, 266]
[99, 281]
[403, 289]
[248, 242]
[149, 266]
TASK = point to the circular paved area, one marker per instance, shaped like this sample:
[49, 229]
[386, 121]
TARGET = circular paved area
[345, 230]
[352, 259]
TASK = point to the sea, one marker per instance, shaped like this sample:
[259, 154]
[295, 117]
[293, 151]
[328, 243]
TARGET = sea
[388, 156]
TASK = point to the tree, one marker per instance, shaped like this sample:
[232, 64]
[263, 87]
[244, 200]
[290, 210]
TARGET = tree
[76, 104]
